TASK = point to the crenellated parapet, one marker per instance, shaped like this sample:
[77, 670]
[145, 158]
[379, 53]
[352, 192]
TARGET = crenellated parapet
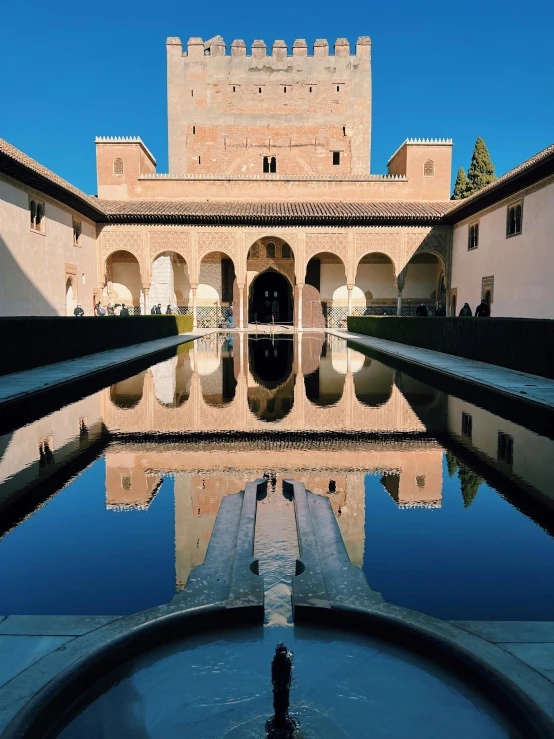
[196, 47]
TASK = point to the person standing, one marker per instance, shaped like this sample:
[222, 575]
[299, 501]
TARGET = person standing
[78, 312]
[124, 310]
[466, 310]
[483, 309]
[117, 309]
[441, 311]
[168, 311]
[421, 310]
[110, 309]
[154, 310]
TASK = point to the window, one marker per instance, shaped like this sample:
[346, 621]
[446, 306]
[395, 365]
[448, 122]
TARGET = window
[192, 93]
[310, 89]
[420, 481]
[286, 251]
[118, 166]
[77, 231]
[467, 425]
[269, 165]
[36, 212]
[514, 219]
[254, 252]
[505, 448]
[336, 157]
[473, 236]
[126, 482]
[429, 168]
[199, 159]
[338, 88]
[270, 250]
[259, 89]
[234, 89]
[284, 89]
[344, 130]
[194, 130]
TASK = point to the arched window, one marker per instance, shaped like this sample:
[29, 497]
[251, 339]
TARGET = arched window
[429, 168]
[266, 165]
[286, 251]
[118, 166]
[273, 165]
[270, 250]
[254, 252]
[514, 219]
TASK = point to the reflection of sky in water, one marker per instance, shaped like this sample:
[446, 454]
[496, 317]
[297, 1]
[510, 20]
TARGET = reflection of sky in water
[429, 533]
[341, 683]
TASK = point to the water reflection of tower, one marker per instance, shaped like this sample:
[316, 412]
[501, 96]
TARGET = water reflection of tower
[128, 484]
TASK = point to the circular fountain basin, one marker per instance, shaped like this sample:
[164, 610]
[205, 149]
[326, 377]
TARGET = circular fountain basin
[217, 684]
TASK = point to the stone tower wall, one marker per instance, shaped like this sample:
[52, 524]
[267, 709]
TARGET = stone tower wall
[226, 112]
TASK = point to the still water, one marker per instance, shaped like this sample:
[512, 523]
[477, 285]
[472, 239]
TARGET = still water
[441, 499]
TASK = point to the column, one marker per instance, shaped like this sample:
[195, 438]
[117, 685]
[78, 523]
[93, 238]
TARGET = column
[194, 319]
[146, 293]
[349, 288]
[400, 282]
[299, 322]
[241, 307]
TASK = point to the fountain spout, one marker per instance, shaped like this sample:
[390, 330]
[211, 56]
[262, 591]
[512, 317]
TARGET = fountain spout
[281, 725]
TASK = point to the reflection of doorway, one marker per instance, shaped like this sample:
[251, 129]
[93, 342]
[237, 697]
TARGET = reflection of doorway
[270, 298]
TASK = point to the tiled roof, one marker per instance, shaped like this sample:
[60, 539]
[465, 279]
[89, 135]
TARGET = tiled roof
[21, 167]
[215, 212]
[538, 167]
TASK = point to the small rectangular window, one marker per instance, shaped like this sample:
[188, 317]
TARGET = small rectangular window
[338, 88]
[514, 219]
[192, 93]
[344, 130]
[505, 448]
[336, 157]
[273, 165]
[199, 159]
[284, 89]
[467, 425]
[194, 129]
[259, 89]
[310, 89]
[234, 89]
[473, 236]
[36, 214]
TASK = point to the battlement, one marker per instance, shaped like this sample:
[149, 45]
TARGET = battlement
[422, 142]
[196, 48]
[126, 140]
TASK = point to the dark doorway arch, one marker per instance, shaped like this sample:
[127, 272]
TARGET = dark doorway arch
[270, 296]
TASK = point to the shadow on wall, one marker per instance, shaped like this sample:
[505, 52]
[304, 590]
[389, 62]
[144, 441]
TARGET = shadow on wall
[19, 296]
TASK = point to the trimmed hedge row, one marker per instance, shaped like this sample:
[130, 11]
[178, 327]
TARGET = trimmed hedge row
[523, 344]
[30, 341]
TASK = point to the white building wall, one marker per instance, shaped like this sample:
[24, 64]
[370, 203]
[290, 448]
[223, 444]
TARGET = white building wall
[378, 279]
[332, 278]
[522, 265]
[32, 265]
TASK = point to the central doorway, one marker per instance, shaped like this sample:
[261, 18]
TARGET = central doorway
[270, 298]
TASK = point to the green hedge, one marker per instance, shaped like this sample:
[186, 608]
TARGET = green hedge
[524, 344]
[34, 341]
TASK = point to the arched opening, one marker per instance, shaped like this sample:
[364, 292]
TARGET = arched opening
[270, 298]
[271, 365]
[325, 297]
[170, 283]
[217, 290]
[375, 292]
[373, 383]
[172, 380]
[423, 284]
[128, 393]
[70, 297]
[216, 367]
[325, 385]
[123, 281]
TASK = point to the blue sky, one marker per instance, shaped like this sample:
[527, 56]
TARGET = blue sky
[73, 71]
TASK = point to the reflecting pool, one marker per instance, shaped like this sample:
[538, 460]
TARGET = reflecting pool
[442, 499]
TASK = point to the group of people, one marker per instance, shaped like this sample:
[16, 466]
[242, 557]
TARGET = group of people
[483, 310]
[119, 309]
[157, 310]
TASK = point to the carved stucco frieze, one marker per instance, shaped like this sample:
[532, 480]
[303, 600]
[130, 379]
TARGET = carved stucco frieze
[122, 240]
[285, 267]
[383, 242]
[434, 241]
[175, 241]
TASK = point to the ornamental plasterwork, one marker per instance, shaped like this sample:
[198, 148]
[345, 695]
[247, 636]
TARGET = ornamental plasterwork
[119, 240]
[386, 243]
[217, 241]
[284, 266]
[335, 243]
[176, 241]
[435, 242]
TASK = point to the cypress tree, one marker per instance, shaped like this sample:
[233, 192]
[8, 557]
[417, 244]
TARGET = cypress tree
[451, 464]
[481, 170]
[461, 186]
[469, 484]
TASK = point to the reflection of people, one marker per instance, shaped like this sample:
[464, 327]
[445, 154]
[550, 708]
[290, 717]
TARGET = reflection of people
[275, 307]
[421, 310]
[267, 308]
[483, 310]
[466, 310]
[281, 678]
[229, 322]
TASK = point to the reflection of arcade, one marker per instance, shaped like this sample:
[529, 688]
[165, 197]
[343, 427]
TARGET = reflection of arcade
[204, 474]
[271, 393]
[270, 298]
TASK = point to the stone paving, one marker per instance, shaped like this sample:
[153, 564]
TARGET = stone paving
[19, 384]
[531, 388]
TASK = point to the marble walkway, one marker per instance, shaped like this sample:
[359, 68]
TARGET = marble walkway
[15, 386]
[531, 388]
